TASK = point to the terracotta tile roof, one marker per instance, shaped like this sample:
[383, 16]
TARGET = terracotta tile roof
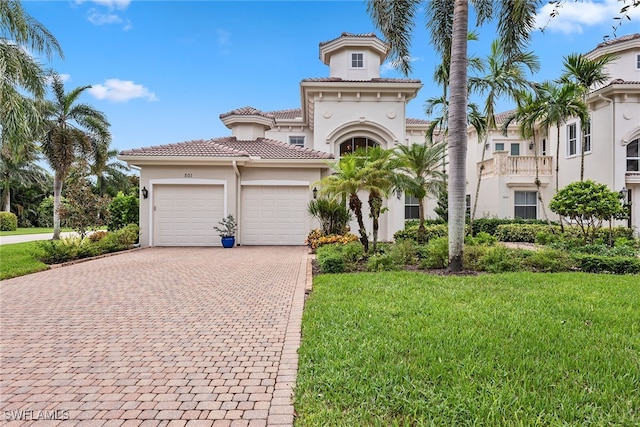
[195, 148]
[616, 41]
[246, 111]
[374, 80]
[501, 117]
[290, 114]
[411, 121]
[230, 147]
[345, 34]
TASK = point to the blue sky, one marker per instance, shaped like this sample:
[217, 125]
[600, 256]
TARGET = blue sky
[163, 71]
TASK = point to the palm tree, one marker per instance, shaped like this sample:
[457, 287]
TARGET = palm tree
[72, 128]
[18, 167]
[109, 172]
[585, 73]
[505, 78]
[560, 103]
[422, 174]
[346, 181]
[449, 30]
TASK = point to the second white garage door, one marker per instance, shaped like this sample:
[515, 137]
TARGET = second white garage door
[274, 215]
[184, 215]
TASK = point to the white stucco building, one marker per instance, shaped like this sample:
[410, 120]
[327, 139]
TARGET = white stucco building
[611, 156]
[265, 172]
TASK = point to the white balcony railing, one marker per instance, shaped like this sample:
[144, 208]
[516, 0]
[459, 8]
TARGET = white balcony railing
[502, 164]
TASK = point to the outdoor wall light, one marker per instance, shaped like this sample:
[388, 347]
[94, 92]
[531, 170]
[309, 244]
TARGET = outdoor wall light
[145, 192]
[315, 192]
[624, 195]
[399, 194]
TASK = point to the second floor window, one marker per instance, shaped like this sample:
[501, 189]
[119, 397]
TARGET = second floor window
[352, 144]
[515, 149]
[586, 138]
[357, 60]
[296, 140]
[572, 139]
[633, 156]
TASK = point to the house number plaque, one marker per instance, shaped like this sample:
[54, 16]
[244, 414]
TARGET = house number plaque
[188, 175]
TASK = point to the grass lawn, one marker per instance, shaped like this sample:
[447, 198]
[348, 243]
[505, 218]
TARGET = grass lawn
[411, 349]
[16, 260]
[30, 230]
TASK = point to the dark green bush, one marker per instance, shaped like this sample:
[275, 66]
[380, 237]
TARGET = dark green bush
[120, 239]
[489, 225]
[481, 238]
[123, 210]
[45, 213]
[435, 254]
[330, 259]
[603, 264]
[548, 260]
[500, 259]
[414, 222]
[382, 262]
[526, 233]
[404, 252]
[431, 232]
[8, 221]
[472, 255]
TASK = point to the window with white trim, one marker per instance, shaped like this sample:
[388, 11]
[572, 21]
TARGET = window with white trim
[352, 144]
[411, 207]
[633, 156]
[515, 149]
[586, 137]
[638, 62]
[296, 140]
[499, 146]
[525, 204]
[357, 60]
[572, 139]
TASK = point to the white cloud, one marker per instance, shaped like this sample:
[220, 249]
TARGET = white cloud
[117, 90]
[98, 18]
[392, 65]
[573, 16]
[111, 4]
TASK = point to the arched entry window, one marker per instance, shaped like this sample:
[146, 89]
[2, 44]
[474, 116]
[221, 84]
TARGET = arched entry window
[633, 156]
[352, 144]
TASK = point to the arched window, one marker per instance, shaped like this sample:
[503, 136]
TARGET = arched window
[633, 157]
[352, 144]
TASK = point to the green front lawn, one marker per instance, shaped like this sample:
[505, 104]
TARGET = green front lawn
[16, 260]
[412, 349]
[30, 230]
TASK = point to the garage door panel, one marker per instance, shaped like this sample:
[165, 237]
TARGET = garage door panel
[185, 215]
[274, 215]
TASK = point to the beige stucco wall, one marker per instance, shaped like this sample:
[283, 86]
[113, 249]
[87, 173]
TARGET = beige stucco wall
[340, 64]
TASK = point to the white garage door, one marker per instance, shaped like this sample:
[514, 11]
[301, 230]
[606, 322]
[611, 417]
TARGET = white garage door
[274, 215]
[184, 215]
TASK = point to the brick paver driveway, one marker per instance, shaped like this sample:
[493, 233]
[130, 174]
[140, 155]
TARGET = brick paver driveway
[159, 336]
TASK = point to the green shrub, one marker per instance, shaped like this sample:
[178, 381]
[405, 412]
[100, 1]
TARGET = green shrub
[45, 212]
[8, 221]
[500, 259]
[481, 238]
[604, 264]
[435, 254]
[123, 210]
[489, 225]
[404, 252]
[414, 222]
[352, 253]
[120, 239]
[382, 262]
[549, 260]
[520, 232]
[472, 255]
[431, 232]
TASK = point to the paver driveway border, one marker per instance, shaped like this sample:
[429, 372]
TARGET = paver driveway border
[105, 351]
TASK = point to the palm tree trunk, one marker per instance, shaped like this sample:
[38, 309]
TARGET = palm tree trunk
[538, 184]
[458, 133]
[475, 200]
[375, 205]
[356, 207]
[57, 193]
[558, 169]
[6, 196]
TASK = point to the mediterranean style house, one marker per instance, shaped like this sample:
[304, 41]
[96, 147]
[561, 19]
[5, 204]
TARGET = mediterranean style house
[266, 172]
[611, 157]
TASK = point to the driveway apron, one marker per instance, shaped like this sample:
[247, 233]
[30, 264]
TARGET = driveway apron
[155, 337]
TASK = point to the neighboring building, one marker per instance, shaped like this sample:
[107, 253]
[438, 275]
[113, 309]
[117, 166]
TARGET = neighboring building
[265, 172]
[611, 157]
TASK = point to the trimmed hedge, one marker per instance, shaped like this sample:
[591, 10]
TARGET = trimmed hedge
[489, 225]
[603, 264]
[522, 232]
[431, 232]
[8, 221]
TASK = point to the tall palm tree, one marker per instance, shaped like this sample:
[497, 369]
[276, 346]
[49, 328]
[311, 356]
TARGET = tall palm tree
[109, 172]
[560, 102]
[346, 181]
[18, 167]
[422, 174]
[585, 73]
[505, 77]
[72, 128]
[449, 30]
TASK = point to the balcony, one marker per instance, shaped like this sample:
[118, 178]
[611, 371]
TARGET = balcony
[504, 165]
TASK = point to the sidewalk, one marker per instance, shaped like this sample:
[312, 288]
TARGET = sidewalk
[7, 240]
